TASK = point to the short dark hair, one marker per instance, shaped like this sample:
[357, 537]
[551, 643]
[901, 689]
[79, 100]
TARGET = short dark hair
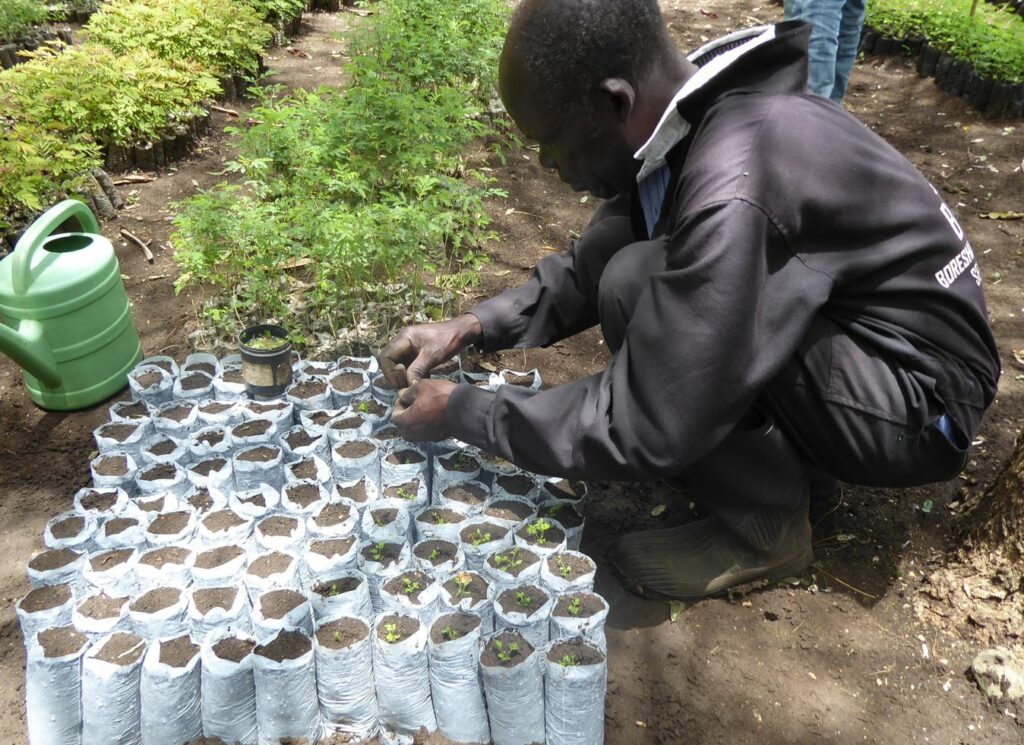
[567, 47]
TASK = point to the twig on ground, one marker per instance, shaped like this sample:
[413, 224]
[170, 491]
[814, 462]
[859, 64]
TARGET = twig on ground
[847, 585]
[222, 110]
[130, 236]
[132, 179]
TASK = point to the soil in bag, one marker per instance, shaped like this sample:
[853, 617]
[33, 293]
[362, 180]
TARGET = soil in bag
[405, 457]
[552, 537]
[407, 491]
[525, 599]
[452, 626]
[122, 649]
[212, 408]
[262, 454]
[505, 650]
[194, 382]
[565, 514]
[384, 516]
[459, 462]
[481, 533]
[151, 505]
[332, 514]
[111, 465]
[119, 432]
[258, 408]
[436, 551]
[160, 472]
[300, 438]
[577, 605]
[216, 557]
[332, 547]
[440, 516]
[162, 447]
[118, 525]
[156, 600]
[304, 469]
[575, 652]
[60, 642]
[148, 379]
[214, 597]
[302, 494]
[287, 645]
[54, 559]
[110, 559]
[201, 501]
[566, 489]
[471, 495]
[467, 585]
[161, 557]
[356, 492]
[234, 375]
[100, 607]
[568, 567]
[354, 449]
[67, 528]
[383, 553]
[509, 509]
[342, 633]
[45, 598]
[268, 564]
[176, 413]
[208, 466]
[137, 410]
[279, 603]
[178, 652]
[395, 628]
[347, 382]
[95, 501]
[233, 649]
[513, 560]
[516, 484]
[211, 438]
[169, 523]
[308, 389]
[252, 428]
[330, 588]
[221, 520]
[278, 525]
[410, 584]
[205, 367]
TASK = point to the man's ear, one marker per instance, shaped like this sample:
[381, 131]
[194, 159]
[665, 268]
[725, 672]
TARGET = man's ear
[620, 96]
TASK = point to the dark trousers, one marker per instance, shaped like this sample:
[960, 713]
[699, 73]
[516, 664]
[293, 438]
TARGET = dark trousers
[866, 438]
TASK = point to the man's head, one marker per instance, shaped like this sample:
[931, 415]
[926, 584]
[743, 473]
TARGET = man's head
[588, 79]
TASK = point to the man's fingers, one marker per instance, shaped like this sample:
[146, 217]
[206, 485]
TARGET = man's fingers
[420, 368]
[406, 397]
[393, 357]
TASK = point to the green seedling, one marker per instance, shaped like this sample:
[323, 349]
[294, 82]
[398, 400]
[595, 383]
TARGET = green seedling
[505, 654]
[266, 341]
[462, 582]
[574, 607]
[538, 530]
[449, 633]
[434, 555]
[405, 494]
[363, 407]
[462, 461]
[564, 570]
[379, 521]
[334, 591]
[523, 599]
[440, 519]
[508, 560]
[478, 537]
[569, 660]
[391, 634]
[409, 585]
[377, 552]
[337, 636]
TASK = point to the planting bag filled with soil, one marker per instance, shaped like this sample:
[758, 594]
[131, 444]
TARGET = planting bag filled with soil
[254, 503]
[299, 442]
[472, 593]
[151, 383]
[309, 393]
[344, 677]
[176, 418]
[123, 531]
[454, 652]
[531, 620]
[342, 593]
[97, 502]
[278, 610]
[352, 460]
[347, 385]
[250, 432]
[220, 412]
[166, 565]
[53, 687]
[213, 609]
[480, 537]
[304, 497]
[114, 470]
[44, 608]
[405, 462]
[160, 612]
[123, 437]
[575, 678]
[401, 669]
[215, 472]
[258, 465]
[286, 694]
[111, 675]
[270, 571]
[193, 386]
[171, 703]
[71, 530]
[568, 571]
[56, 567]
[228, 690]
[580, 614]
[209, 442]
[327, 557]
[386, 520]
[413, 592]
[113, 572]
[514, 689]
[162, 478]
[100, 615]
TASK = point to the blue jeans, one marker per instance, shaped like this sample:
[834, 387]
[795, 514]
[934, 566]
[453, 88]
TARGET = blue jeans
[834, 39]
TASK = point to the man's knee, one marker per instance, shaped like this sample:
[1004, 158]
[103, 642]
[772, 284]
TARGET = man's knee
[625, 277]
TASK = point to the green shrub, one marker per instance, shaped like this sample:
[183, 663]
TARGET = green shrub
[116, 99]
[18, 16]
[225, 36]
[278, 10]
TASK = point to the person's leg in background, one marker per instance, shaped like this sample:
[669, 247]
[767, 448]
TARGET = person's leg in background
[825, 17]
[849, 40]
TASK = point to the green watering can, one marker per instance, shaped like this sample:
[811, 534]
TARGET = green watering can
[66, 319]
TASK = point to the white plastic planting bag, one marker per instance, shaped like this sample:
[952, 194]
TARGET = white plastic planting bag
[590, 627]
[315, 421]
[455, 684]
[117, 580]
[229, 691]
[348, 385]
[168, 528]
[309, 392]
[171, 703]
[441, 566]
[127, 530]
[125, 481]
[294, 497]
[53, 687]
[214, 472]
[402, 676]
[480, 537]
[348, 425]
[74, 530]
[553, 541]
[329, 520]
[259, 431]
[513, 566]
[254, 503]
[267, 621]
[98, 628]
[515, 377]
[286, 694]
[413, 493]
[439, 523]
[169, 620]
[171, 569]
[162, 448]
[217, 617]
[344, 678]
[381, 570]
[362, 364]
[151, 383]
[227, 386]
[347, 469]
[386, 520]
[184, 423]
[306, 443]
[193, 386]
[515, 696]
[44, 608]
[403, 462]
[310, 467]
[281, 533]
[207, 442]
[260, 577]
[574, 694]
[342, 593]
[228, 572]
[162, 477]
[454, 597]
[413, 592]
[100, 501]
[512, 512]
[123, 437]
[453, 468]
[556, 578]
[130, 411]
[281, 413]
[326, 557]
[204, 362]
[220, 412]
[252, 473]
[57, 566]
[533, 622]
[224, 527]
[111, 706]
[163, 361]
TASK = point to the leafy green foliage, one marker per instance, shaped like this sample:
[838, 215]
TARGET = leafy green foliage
[19, 16]
[226, 36]
[367, 186]
[992, 40]
[278, 10]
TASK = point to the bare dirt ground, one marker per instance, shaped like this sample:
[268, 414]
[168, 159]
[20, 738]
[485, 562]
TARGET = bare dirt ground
[853, 652]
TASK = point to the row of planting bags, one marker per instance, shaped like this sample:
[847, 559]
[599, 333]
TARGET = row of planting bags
[375, 553]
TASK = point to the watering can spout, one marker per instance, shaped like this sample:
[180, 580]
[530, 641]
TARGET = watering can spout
[29, 349]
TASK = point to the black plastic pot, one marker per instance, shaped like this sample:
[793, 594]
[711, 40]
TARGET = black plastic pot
[948, 81]
[927, 61]
[885, 46]
[942, 68]
[1015, 107]
[266, 372]
[977, 90]
[868, 41]
[961, 79]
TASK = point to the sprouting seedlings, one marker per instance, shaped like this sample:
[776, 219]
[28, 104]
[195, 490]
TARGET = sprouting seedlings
[574, 607]
[403, 493]
[337, 636]
[505, 653]
[462, 461]
[440, 519]
[409, 585]
[363, 407]
[449, 633]
[379, 520]
[377, 552]
[538, 530]
[508, 560]
[564, 569]
[391, 634]
[523, 600]
[479, 537]
[434, 555]
[462, 582]
[569, 660]
[333, 591]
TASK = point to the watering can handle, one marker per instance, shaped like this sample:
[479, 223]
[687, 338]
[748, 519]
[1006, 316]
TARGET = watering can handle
[39, 231]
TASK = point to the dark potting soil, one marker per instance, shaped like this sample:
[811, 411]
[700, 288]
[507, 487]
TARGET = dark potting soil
[568, 566]
[216, 557]
[514, 560]
[208, 466]
[300, 438]
[169, 523]
[110, 559]
[471, 494]
[508, 640]
[447, 368]
[278, 525]
[194, 381]
[495, 461]
[233, 649]
[553, 536]
[261, 454]
[209, 598]
[156, 600]
[211, 437]
[589, 605]
[111, 465]
[407, 491]
[151, 505]
[204, 367]
[212, 408]
[222, 520]
[459, 462]
[44, 598]
[405, 457]
[61, 641]
[201, 501]
[389, 553]
[252, 428]
[308, 389]
[119, 432]
[517, 484]
[472, 533]
[410, 584]
[342, 633]
[162, 447]
[356, 492]
[67, 528]
[384, 384]
[302, 494]
[445, 551]
[159, 472]
[257, 407]
[163, 365]
[137, 410]
[313, 368]
[233, 375]
[384, 434]
[564, 513]
[148, 379]
[178, 652]
[118, 525]
[256, 500]
[96, 501]
[355, 449]
[209, 741]
[122, 649]
[372, 407]
[287, 645]
[476, 589]
[566, 489]
[509, 509]
[404, 626]
[55, 559]
[452, 626]
[384, 516]
[161, 557]
[177, 413]
[581, 652]
[320, 417]
[347, 382]
[515, 379]
[330, 588]
[102, 606]
[332, 514]
[440, 516]
[354, 362]
[303, 469]
[268, 564]
[279, 603]
[332, 546]
[349, 422]
[510, 603]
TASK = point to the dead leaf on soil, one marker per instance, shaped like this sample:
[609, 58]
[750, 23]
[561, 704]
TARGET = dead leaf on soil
[1002, 215]
[675, 607]
[658, 510]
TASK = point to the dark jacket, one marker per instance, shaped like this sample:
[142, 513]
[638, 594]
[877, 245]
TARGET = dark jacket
[781, 207]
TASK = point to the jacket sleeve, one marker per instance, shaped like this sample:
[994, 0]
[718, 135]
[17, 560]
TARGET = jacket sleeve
[707, 334]
[560, 299]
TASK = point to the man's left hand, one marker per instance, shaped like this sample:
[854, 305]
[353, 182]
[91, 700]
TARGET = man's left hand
[419, 410]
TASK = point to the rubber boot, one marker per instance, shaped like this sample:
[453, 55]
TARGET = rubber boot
[757, 489]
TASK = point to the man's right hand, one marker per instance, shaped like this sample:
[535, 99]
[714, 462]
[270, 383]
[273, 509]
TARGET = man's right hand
[418, 349]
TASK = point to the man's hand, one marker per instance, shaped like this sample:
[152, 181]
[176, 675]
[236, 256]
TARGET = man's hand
[418, 349]
[419, 410]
